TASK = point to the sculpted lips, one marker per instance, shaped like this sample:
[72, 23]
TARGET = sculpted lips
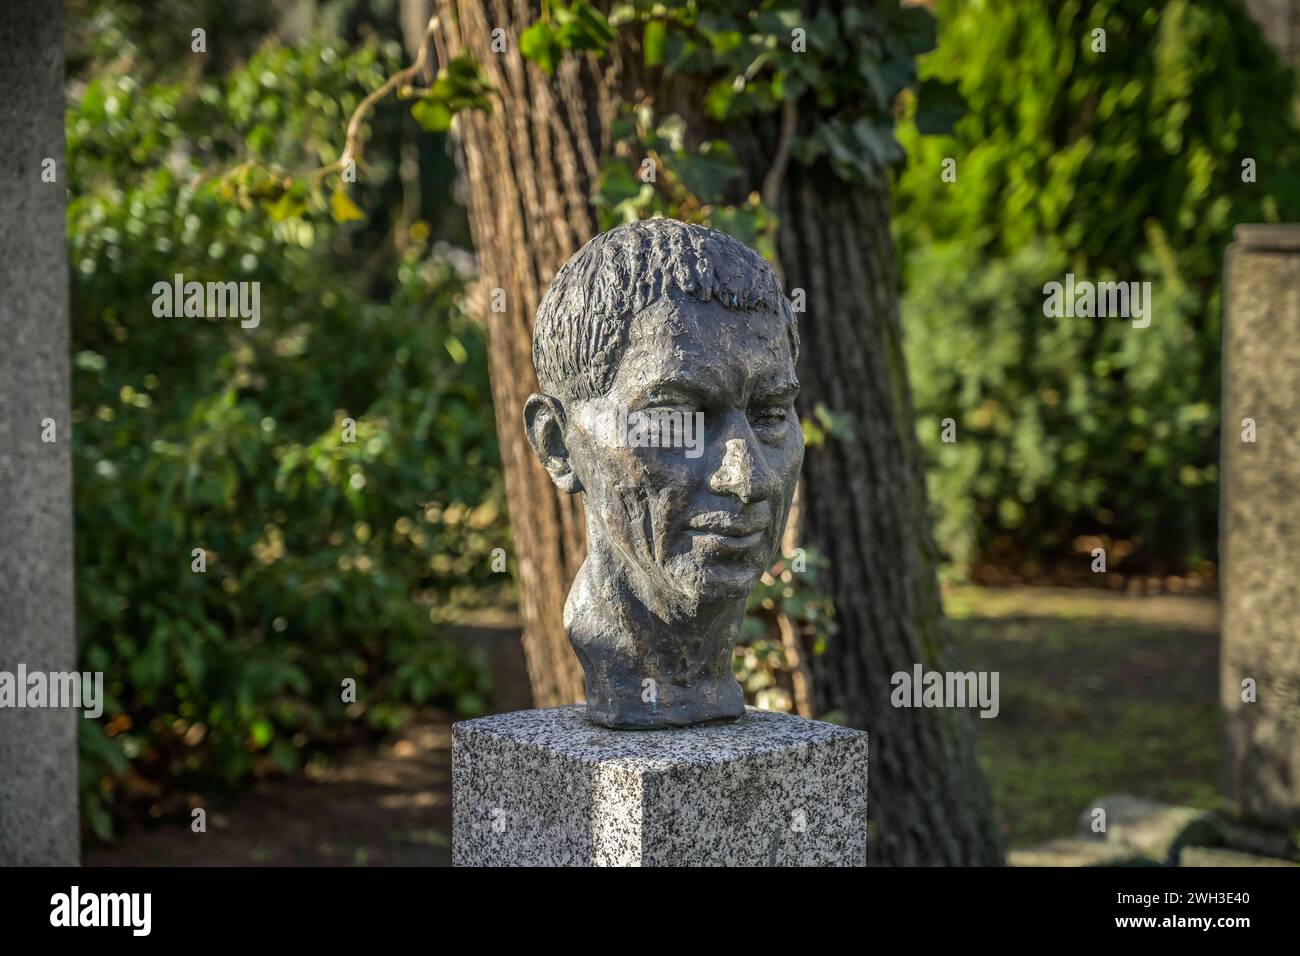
[720, 530]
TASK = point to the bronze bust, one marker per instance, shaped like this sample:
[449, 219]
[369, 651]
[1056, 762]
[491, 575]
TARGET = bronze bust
[665, 353]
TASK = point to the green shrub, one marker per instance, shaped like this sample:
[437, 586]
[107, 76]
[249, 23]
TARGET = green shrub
[1122, 165]
[326, 558]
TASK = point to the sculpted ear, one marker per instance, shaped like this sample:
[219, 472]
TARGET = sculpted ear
[544, 423]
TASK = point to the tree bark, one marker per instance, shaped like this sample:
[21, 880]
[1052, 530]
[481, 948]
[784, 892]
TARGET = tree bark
[1280, 22]
[865, 508]
[38, 747]
[532, 166]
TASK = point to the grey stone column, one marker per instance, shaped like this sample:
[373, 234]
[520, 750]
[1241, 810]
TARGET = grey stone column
[38, 747]
[549, 788]
[1260, 521]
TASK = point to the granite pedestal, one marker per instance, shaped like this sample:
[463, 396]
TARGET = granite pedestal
[1260, 517]
[549, 788]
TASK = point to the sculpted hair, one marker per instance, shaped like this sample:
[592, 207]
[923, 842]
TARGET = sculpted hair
[582, 323]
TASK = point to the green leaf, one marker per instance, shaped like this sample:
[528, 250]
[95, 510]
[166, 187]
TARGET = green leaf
[582, 27]
[470, 704]
[745, 222]
[284, 756]
[720, 100]
[577, 26]
[456, 350]
[836, 424]
[707, 173]
[288, 206]
[823, 31]
[621, 13]
[938, 107]
[880, 141]
[655, 42]
[876, 82]
[539, 44]
[616, 184]
[92, 807]
[344, 209]
[808, 149]
[432, 115]
[915, 27]
[461, 85]
[896, 74]
[846, 155]
[671, 132]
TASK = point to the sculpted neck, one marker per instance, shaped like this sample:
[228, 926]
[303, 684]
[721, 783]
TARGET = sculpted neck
[650, 661]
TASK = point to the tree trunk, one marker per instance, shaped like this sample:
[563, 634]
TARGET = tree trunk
[38, 747]
[865, 508]
[532, 166]
[1280, 22]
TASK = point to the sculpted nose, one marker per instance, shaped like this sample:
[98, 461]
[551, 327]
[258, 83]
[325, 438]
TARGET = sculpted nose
[742, 473]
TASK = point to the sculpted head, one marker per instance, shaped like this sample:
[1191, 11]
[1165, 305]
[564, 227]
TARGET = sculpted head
[665, 353]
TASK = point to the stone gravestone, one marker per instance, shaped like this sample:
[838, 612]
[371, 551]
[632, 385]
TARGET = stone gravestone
[1260, 521]
[665, 354]
[38, 747]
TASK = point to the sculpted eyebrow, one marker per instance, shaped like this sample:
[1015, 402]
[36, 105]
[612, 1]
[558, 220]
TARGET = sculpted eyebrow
[784, 392]
[672, 389]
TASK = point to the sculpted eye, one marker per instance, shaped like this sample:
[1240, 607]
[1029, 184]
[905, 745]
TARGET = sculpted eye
[660, 407]
[666, 403]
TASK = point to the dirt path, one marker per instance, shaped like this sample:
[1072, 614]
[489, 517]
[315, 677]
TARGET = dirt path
[383, 804]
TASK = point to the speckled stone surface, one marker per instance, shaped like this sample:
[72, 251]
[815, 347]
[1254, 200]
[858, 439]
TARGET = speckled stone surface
[1259, 520]
[549, 788]
[38, 746]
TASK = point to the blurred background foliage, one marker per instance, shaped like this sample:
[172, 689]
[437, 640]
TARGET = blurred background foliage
[1122, 165]
[325, 558]
[329, 558]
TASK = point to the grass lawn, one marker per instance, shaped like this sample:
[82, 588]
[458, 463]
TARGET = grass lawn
[1100, 693]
